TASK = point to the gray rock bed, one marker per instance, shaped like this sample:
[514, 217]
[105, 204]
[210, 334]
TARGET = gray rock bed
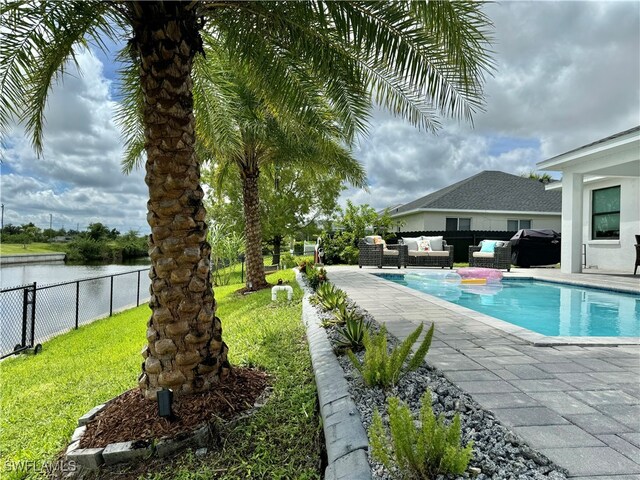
[497, 452]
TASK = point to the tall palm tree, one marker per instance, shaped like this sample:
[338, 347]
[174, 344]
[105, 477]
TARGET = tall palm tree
[416, 58]
[265, 136]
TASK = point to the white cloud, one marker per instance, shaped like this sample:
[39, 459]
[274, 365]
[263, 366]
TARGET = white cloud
[78, 179]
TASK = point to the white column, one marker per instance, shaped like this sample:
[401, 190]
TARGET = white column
[571, 255]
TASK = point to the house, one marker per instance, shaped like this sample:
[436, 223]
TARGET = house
[488, 201]
[600, 202]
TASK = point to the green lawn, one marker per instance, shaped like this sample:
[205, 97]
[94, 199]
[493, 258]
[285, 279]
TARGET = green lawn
[41, 397]
[19, 249]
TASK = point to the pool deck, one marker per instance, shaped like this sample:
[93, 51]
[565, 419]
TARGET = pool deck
[579, 404]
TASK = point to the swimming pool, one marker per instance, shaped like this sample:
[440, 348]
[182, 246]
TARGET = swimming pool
[553, 309]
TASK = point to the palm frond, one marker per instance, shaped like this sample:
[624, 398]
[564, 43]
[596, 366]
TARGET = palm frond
[38, 43]
[129, 113]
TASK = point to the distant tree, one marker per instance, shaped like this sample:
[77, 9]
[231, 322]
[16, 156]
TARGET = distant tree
[97, 231]
[292, 198]
[348, 227]
[262, 136]
[541, 177]
[10, 229]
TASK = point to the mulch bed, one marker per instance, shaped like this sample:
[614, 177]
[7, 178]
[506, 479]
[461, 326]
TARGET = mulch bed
[132, 417]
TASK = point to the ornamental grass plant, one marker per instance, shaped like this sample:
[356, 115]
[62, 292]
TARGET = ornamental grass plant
[383, 369]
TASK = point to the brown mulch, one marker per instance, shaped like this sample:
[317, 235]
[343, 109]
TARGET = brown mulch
[131, 417]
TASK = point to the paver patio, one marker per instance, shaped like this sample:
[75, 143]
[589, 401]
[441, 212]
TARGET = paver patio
[577, 404]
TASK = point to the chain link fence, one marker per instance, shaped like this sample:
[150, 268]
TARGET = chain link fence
[31, 314]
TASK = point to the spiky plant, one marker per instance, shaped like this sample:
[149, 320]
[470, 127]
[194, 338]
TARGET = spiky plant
[381, 368]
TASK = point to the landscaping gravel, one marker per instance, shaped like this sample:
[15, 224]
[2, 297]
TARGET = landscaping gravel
[497, 452]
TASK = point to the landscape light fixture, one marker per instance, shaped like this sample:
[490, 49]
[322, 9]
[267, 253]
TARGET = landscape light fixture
[165, 399]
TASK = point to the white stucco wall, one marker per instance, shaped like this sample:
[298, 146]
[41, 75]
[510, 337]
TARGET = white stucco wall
[618, 255]
[479, 221]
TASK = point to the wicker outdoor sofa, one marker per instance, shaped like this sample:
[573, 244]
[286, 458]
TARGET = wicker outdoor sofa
[438, 253]
[379, 254]
[500, 258]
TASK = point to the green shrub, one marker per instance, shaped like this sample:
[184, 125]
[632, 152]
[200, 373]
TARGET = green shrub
[423, 451]
[89, 250]
[351, 336]
[329, 297]
[316, 276]
[384, 369]
[287, 260]
[350, 255]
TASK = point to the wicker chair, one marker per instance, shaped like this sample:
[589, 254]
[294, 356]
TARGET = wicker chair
[373, 255]
[424, 259]
[501, 257]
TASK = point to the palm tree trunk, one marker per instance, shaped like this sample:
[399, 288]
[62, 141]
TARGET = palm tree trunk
[185, 351]
[277, 246]
[253, 230]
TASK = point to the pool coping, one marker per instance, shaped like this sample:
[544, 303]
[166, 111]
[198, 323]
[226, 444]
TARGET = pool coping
[531, 337]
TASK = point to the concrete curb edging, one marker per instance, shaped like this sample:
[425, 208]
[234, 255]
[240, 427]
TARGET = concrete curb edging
[345, 437]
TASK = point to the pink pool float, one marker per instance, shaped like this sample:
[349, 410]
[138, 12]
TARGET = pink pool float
[479, 275]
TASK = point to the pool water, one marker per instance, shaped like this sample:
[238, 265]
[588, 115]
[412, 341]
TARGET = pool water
[553, 309]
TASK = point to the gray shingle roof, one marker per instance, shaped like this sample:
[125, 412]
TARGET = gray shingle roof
[490, 190]
[602, 140]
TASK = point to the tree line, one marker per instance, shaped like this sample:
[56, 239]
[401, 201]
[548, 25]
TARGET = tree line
[97, 243]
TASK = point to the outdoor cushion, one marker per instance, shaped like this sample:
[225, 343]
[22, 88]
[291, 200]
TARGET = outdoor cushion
[436, 243]
[387, 251]
[415, 253]
[442, 253]
[424, 245]
[483, 254]
[374, 239]
[488, 246]
[411, 242]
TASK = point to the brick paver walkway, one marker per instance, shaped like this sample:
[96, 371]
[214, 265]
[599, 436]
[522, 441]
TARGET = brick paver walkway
[579, 405]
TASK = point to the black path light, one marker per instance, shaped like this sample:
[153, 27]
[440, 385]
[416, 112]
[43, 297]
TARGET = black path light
[165, 400]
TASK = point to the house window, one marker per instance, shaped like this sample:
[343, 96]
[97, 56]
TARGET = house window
[513, 225]
[605, 213]
[454, 224]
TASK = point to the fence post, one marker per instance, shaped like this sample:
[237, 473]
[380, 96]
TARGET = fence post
[25, 303]
[77, 303]
[138, 291]
[33, 315]
[111, 298]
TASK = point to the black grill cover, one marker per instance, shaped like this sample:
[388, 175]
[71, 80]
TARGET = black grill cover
[535, 247]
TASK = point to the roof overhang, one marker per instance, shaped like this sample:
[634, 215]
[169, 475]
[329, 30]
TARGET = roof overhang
[618, 157]
[447, 210]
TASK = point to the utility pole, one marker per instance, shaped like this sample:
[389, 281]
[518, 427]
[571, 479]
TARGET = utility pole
[50, 221]
[2, 224]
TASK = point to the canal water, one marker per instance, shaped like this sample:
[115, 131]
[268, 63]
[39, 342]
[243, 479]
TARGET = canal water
[57, 272]
[66, 296]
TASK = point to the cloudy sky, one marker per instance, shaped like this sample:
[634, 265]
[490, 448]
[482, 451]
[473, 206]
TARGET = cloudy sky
[568, 73]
